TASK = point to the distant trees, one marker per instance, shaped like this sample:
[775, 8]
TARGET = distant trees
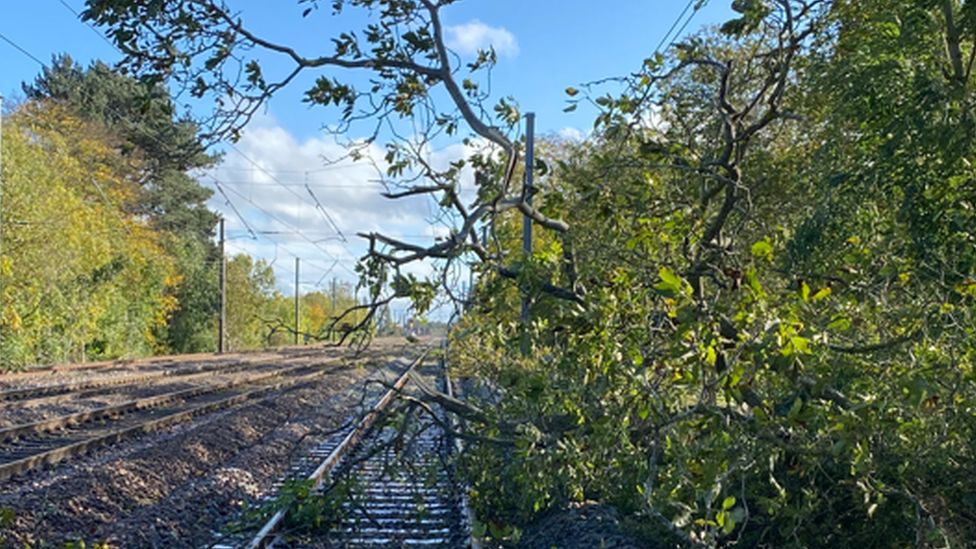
[250, 289]
[318, 316]
[259, 315]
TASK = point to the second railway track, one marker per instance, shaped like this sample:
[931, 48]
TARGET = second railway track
[54, 392]
[33, 445]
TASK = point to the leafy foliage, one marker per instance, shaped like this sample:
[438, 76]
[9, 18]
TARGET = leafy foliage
[814, 384]
[81, 276]
[258, 315]
[144, 125]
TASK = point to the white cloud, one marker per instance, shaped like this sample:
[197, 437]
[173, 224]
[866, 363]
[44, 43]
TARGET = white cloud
[273, 201]
[570, 133]
[468, 38]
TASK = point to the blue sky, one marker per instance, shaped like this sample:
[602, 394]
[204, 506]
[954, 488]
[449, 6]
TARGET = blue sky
[543, 45]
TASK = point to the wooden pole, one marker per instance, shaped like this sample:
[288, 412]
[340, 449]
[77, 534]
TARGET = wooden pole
[222, 323]
[297, 303]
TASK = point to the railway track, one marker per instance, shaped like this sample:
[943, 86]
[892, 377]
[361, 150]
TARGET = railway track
[416, 503]
[34, 378]
[62, 392]
[16, 395]
[34, 445]
[29, 404]
[398, 507]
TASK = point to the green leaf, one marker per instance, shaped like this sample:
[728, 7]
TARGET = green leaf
[822, 294]
[710, 355]
[7, 517]
[729, 525]
[800, 344]
[839, 324]
[795, 408]
[670, 282]
[763, 249]
[728, 502]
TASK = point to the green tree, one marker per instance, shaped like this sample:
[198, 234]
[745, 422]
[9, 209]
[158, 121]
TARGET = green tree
[250, 297]
[144, 119]
[82, 276]
[775, 347]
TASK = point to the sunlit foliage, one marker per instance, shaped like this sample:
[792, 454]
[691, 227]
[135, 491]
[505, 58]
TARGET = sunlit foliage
[82, 275]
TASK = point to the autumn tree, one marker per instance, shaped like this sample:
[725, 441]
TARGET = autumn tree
[168, 146]
[82, 275]
[250, 296]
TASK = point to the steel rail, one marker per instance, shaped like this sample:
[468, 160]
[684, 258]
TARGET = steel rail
[71, 367]
[267, 534]
[457, 426]
[23, 393]
[65, 391]
[38, 391]
[84, 389]
[245, 356]
[61, 453]
[17, 431]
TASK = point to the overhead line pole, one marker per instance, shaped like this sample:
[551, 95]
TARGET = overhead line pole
[222, 323]
[335, 310]
[297, 296]
[1, 209]
[527, 192]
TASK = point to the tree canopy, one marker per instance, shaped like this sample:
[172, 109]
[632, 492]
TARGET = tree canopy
[82, 276]
[145, 125]
[145, 119]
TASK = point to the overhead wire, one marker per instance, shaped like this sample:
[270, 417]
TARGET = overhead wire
[673, 26]
[283, 170]
[87, 24]
[313, 232]
[22, 50]
[298, 231]
[321, 209]
[698, 6]
[235, 210]
[308, 262]
[325, 213]
[104, 197]
[318, 204]
[241, 183]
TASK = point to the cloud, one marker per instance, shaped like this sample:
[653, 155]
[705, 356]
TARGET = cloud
[570, 133]
[468, 38]
[272, 200]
